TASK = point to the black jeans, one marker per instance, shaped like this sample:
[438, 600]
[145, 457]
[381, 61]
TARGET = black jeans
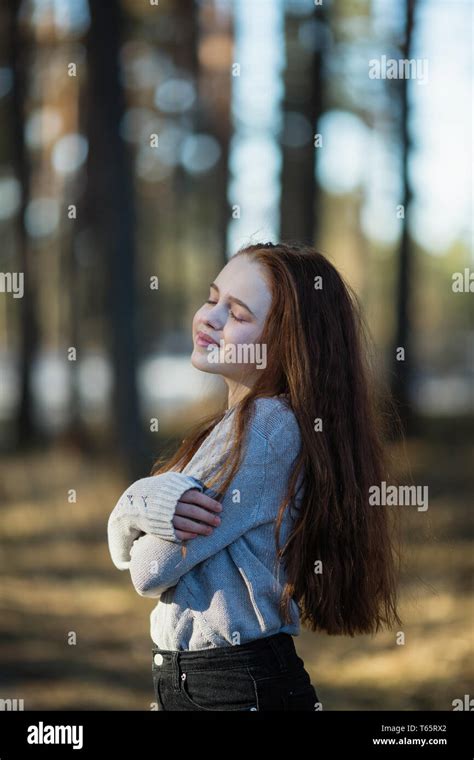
[265, 674]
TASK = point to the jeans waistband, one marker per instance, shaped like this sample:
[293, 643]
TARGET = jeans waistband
[278, 649]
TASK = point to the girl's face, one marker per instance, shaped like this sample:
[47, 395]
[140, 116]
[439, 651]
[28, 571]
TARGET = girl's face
[227, 328]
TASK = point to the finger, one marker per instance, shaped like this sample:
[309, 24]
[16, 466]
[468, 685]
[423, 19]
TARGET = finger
[184, 536]
[196, 497]
[182, 523]
[197, 513]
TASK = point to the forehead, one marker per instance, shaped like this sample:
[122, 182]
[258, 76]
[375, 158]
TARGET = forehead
[245, 279]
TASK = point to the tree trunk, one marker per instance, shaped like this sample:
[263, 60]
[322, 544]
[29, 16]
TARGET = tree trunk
[28, 327]
[304, 98]
[402, 370]
[110, 185]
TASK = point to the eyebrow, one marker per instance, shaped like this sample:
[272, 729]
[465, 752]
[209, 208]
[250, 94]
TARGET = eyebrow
[233, 299]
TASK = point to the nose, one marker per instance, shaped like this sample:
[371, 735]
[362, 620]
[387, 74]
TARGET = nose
[213, 320]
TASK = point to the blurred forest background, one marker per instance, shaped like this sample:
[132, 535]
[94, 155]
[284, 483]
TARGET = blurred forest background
[142, 142]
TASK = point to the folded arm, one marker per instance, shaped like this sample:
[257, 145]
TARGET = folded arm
[147, 506]
[251, 499]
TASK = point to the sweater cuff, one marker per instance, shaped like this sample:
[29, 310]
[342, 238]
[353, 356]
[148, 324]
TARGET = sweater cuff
[161, 494]
[121, 536]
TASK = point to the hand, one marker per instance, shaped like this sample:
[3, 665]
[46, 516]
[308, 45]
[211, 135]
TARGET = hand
[195, 514]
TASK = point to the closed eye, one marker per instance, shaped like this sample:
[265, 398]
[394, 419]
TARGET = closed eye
[237, 319]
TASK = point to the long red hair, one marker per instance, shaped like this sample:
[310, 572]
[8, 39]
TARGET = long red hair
[323, 365]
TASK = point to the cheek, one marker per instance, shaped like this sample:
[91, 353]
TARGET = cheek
[198, 319]
[240, 332]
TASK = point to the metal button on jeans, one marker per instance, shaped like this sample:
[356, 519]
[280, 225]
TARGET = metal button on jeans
[158, 658]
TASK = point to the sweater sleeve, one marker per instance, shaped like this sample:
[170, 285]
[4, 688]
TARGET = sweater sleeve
[147, 506]
[251, 499]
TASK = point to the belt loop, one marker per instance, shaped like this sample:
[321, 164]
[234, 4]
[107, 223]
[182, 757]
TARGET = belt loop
[274, 642]
[175, 670]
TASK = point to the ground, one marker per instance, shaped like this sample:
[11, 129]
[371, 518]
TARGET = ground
[76, 635]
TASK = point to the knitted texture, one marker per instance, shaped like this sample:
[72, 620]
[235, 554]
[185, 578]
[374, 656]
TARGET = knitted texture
[226, 589]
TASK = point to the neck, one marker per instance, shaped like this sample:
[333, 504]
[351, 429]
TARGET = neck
[236, 391]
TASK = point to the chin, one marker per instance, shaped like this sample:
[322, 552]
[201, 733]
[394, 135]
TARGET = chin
[199, 361]
[196, 360]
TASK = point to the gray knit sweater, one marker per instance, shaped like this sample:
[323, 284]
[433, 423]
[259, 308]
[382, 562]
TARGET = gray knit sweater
[226, 590]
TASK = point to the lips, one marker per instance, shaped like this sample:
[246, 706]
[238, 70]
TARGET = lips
[204, 339]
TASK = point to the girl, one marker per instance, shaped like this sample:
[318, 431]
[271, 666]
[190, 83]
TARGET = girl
[261, 520]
